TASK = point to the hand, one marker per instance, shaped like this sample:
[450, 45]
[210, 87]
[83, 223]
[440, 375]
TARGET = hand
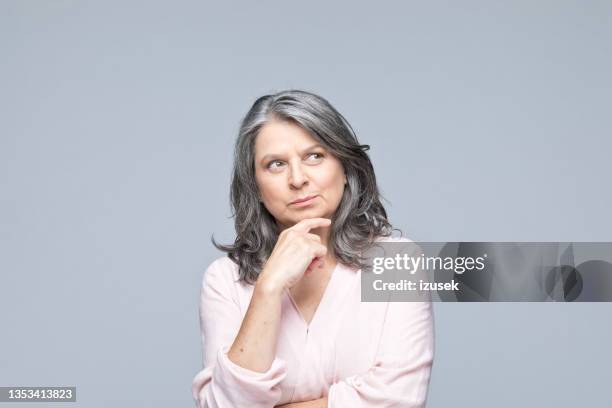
[318, 403]
[296, 251]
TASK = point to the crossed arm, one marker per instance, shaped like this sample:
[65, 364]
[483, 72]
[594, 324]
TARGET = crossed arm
[398, 378]
[318, 403]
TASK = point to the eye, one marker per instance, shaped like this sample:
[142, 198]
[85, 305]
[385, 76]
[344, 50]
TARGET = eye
[274, 164]
[315, 157]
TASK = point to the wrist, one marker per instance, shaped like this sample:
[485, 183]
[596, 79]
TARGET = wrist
[269, 286]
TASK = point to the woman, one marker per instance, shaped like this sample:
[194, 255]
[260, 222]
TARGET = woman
[281, 316]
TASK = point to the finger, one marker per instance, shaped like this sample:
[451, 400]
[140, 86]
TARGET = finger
[314, 237]
[313, 264]
[320, 251]
[315, 261]
[317, 264]
[310, 223]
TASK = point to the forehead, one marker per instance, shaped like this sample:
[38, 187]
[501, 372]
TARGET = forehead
[279, 136]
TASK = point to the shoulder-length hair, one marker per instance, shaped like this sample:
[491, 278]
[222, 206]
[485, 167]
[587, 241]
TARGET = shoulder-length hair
[360, 217]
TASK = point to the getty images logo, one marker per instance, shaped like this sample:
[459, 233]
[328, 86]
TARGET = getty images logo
[411, 264]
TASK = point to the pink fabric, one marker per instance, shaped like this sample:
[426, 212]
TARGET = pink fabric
[358, 354]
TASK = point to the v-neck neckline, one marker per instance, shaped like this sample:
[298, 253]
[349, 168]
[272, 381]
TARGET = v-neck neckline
[322, 302]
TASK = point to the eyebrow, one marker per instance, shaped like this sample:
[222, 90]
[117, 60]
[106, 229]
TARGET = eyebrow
[275, 155]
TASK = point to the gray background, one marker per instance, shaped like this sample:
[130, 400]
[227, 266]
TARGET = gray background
[487, 120]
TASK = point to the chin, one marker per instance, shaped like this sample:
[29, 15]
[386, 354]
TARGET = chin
[314, 215]
[307, 214]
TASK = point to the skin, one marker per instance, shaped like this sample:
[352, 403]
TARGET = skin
[289, 165]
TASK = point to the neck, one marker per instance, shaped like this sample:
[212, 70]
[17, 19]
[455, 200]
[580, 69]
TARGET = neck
[323, 233]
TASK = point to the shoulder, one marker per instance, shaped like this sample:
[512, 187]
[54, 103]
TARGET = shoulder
[400, 244]
[223, 263]
[393, 239]
[220, 272]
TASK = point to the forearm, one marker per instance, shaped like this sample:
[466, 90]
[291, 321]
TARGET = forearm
[318, 403]
[254, 347]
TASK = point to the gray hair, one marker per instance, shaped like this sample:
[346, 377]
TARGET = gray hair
[360, 217]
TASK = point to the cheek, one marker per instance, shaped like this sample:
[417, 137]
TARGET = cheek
[333, 179]
[268, 188]
[262, 186]
[340, 190]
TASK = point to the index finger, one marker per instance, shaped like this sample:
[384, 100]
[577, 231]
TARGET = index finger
[310, 223]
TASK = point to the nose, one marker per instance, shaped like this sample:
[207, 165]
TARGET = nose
[297, 176]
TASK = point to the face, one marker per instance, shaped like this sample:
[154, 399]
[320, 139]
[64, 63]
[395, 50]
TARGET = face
[297, 177]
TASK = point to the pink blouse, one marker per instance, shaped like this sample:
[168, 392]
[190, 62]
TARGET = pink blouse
[358, 354]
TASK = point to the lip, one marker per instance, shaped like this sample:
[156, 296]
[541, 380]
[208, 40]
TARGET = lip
[303, 200]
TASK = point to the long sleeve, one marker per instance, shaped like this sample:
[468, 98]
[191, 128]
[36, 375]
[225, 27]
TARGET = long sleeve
[222, 383]
[400, 375]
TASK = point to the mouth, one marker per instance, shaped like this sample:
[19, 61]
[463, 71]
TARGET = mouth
[303, 200]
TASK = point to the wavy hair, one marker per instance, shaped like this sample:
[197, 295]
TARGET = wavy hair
[360, 217]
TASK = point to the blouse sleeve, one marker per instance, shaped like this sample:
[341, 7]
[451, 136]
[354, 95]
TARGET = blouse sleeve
[222, 383]
[400, 374]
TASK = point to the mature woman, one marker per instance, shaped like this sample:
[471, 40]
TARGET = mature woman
[281, 315]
